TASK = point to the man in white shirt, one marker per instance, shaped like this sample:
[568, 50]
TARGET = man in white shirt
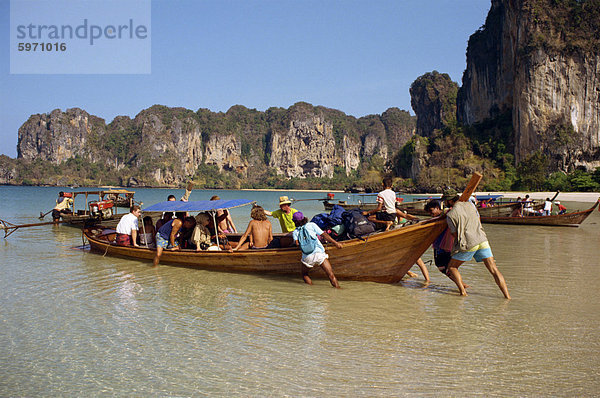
[127, 229]
[385, 213]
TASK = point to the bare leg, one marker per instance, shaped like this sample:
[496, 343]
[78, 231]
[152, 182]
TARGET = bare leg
[490, 264]
[329, 271]
[159, 251]
[424, 270]
[455, 275]
[305, 276]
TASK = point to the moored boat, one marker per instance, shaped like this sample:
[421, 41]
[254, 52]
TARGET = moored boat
[571, 219]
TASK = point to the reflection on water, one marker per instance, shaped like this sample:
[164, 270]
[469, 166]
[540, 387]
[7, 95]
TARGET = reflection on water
[77, 323]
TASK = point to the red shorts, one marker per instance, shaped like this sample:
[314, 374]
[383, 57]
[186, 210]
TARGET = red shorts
[123, 240]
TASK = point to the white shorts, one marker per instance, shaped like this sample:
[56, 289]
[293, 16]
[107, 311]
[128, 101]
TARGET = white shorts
[315, 258]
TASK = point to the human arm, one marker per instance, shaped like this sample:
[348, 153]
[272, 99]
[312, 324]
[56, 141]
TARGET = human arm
[134, 235]
[244, 237]
[230, 224]
[331, 240]
[375, 210]
[176, 227]
[406, 215]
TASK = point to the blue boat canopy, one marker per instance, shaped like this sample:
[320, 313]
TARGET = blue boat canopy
[199, 205]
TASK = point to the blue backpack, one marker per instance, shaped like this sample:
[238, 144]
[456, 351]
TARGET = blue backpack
[307, 242]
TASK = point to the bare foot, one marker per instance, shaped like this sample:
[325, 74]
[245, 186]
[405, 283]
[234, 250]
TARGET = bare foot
[466, 286]
[426, 283]
[411, 274]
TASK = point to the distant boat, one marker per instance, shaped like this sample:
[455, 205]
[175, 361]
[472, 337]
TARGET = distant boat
[571, 219]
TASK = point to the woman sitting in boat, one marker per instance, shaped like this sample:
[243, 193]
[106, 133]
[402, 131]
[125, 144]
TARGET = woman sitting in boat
[147, 233]
[201, 239]
[259, 231]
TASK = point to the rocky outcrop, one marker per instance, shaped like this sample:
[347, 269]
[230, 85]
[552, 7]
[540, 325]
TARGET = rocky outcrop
[305, 149]
[165, 146]
[535, 60]
[433, 98]
[225, 152]
[59, 136]
[8, 171]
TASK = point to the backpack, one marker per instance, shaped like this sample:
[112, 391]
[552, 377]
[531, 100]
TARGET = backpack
[356, 224]
[307, 242]
[335, 216]
[322, 220]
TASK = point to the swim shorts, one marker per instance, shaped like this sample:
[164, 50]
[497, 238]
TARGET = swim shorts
[479, 252]
[162, 242]
[385, 216]
[315, 258]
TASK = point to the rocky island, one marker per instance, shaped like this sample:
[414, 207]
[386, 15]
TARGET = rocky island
[527, 115]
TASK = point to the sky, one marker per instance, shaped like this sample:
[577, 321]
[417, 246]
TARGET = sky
[357, 56]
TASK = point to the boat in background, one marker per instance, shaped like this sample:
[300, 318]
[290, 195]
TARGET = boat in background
[570, 219]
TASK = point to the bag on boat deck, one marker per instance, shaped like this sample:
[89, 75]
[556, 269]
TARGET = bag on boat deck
[356, 224]
[308, 243]
[322, 220]
[335, 216]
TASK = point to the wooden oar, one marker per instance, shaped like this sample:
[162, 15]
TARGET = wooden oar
[554, 197]
[471, 186]
[9, 227]
[300, 200]
[42, 215]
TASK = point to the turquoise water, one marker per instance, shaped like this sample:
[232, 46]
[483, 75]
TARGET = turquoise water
[74, 323]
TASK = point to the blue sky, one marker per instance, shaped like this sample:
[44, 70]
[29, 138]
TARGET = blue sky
[356, 56]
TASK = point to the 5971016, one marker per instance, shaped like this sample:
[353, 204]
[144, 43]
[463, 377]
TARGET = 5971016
[42, 46]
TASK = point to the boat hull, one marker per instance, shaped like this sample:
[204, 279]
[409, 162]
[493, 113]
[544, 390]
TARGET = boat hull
[384, 257]
[572, 219]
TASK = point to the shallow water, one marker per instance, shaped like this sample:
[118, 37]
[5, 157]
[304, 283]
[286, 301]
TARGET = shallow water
[74, 323]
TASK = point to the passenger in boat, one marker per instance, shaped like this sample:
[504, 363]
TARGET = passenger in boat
[528, 206]
[385, 213]
[201, 238]
[259, 231]
[547, 207]
[168, 216]
[318, 256]
[226, 224]
[284, 214]
[127, 229]
[517, 212]
[470, 241]
[561, 209]
[63, 206]
[186, 195]
[148, 231]
[166, 236]
[442, 245]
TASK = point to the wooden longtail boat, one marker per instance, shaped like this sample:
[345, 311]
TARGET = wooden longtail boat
[382, 257]
[571, 219]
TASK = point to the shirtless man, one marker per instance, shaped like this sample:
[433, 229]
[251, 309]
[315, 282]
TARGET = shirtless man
[226, 224]
[259, 231]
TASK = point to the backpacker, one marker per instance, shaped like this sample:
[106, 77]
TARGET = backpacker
[356, 224]
[307, 242]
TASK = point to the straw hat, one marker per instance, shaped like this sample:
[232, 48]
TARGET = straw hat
[284, 200]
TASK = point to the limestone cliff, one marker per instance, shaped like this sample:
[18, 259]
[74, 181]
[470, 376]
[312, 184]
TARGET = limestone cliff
[58, 136]
[538, 60]
[165, 146]
[305, 149]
